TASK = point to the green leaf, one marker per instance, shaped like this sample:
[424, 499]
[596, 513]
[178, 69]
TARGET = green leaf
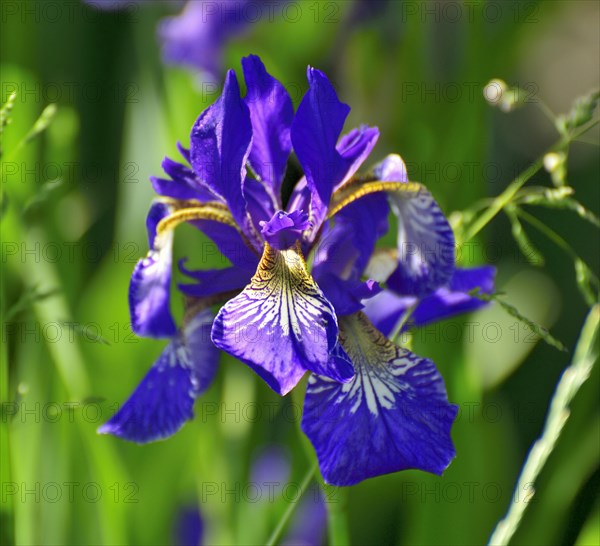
[527, 248]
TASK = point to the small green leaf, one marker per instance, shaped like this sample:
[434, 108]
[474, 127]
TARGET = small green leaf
[527, 248]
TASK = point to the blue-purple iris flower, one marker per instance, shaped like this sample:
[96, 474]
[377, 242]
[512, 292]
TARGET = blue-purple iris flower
[371, 406]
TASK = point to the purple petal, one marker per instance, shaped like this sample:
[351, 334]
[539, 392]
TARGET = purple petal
[354, 148]
[391, 169]
[214, 281]
[261, 204]
[425, 244]
[150, 285]
[271, 112]
[281, 324]
[347, 296]
[394, 415]
[454, 299]
[345, 249]
[386, 309]
[228, 242]
[220, 143]
[284, 229]
[182, 184]
[315, 131]
[189, 527]
[164, 399]
[196, 37]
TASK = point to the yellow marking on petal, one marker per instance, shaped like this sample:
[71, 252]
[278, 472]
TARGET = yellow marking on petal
[203, 212]
[351, 192]
[284, 287]
[364, 343]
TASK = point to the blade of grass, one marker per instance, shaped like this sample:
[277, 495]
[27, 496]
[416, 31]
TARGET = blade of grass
[574, 376]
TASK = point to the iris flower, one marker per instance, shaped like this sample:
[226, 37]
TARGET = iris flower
[372, 407]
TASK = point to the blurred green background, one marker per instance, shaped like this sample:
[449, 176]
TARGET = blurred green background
[414, 69]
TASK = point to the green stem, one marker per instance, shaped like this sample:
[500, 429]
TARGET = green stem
[508, 194]
[310, 474]
[503, 199]
[337, 520]
[574, 376]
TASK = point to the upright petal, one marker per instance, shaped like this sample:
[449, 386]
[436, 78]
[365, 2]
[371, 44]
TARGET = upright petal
[149, 288]
[271, 112]
[315, 131]
[164, 399]
[354, 148]
[220, 144]
[260, 202]
[394, 415]
[281, 324]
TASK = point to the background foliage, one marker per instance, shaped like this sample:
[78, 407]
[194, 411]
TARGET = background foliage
[74, 199]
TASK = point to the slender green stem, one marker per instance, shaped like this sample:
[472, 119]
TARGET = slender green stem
[508, 194]
[337, 520]
[310, 474]
[574, 376]
[503, 199]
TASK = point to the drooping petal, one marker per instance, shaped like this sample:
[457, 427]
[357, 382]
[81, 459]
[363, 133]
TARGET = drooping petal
[315, 131]
[149, 288]
[181, 184]
[271, 112]
[281, 324]
[164, 399]
[394, 415]
[220, 144]
[283, 229]
[214, 281]
[452, 300]
[386, 309]
[425, 244]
